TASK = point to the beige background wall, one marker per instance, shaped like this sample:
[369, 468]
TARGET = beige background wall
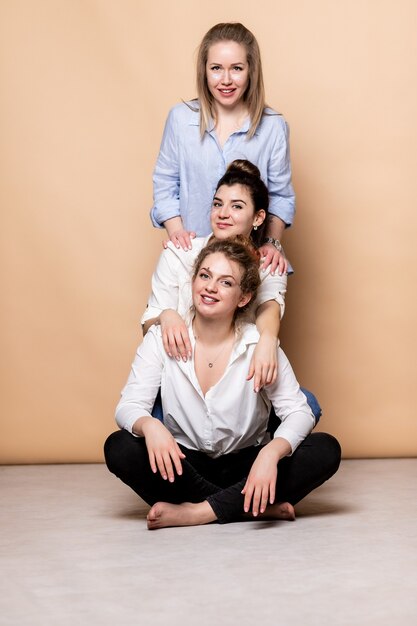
[85, 89]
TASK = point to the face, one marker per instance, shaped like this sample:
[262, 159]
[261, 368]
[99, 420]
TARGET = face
[227, 72]
[216, 288]
[233, 212]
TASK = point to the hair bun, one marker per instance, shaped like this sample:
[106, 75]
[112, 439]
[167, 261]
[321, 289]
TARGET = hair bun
[243, 166]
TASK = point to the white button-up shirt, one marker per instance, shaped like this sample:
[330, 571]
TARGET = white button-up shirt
[231, 415]
[171, 282]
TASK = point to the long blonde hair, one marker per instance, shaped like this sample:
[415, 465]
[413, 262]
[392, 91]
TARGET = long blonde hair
[254, 96]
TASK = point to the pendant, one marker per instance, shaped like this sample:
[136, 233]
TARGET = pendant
[210, 364]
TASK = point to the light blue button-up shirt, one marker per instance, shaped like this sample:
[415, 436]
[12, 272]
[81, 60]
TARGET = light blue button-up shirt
[188, 168]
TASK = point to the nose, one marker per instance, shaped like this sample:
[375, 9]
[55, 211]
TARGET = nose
[211, 285]
[226, 78]
[223, 212]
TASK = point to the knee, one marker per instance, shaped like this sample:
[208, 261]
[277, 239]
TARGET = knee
[331, 452]
[116, 451]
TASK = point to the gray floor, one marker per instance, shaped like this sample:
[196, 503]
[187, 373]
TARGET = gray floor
[75, 550]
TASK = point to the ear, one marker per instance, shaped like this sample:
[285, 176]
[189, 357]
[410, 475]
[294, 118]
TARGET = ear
[246, 297]
[259, 217]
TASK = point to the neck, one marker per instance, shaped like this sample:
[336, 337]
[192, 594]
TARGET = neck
[212, 332]
[236, 115]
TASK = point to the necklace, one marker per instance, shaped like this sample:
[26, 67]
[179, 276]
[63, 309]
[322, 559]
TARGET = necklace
[212, 362]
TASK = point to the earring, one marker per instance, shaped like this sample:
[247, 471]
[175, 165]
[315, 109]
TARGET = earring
[255, 227]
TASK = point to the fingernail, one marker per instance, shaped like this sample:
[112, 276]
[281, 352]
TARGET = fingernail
[272, 273]
[280, 273]
[262, 510]
[169, 354]
[164, 477]
[171, 480]
[246, 509]
[184, 358]
[255, 513]
[256, 389]
[178, 358]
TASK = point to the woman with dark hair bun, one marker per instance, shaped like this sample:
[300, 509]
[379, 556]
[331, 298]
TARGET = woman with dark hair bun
[229, 120]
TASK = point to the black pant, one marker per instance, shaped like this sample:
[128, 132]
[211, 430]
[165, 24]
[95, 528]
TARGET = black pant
[221, 480]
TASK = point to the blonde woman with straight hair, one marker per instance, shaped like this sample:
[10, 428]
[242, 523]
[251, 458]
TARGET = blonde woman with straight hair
[228, 120]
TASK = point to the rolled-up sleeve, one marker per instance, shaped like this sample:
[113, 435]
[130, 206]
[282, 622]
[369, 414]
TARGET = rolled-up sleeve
[166, 176]
[272, 288]
[281, 192]
[138, 395]
[165, 286]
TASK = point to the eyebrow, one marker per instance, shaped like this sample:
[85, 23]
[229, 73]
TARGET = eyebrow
[207, 269]
[234, 200]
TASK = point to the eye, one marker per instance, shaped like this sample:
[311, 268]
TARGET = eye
[215, 68]
[226, 283]
[216, 204]
[203, 275]
[237, 206]
[238, 68]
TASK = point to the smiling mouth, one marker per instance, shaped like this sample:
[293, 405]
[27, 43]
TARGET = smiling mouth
[208, 299]
[223, 225]
[227, 92]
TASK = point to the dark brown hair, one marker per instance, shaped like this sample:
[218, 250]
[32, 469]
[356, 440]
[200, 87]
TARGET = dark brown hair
[242, 172]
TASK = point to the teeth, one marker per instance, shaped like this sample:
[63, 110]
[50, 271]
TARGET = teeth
[208, 299]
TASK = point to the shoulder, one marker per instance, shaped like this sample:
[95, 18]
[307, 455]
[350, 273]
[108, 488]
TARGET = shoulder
[184, 113]
[272, 121]
[185, 257]
[248, 334]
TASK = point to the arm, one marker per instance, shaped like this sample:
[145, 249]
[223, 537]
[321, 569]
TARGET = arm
[281, 192]
[261, 482]
[166, 183]
[138, 397]
[163, 304]
[270, 303]
[264, 363]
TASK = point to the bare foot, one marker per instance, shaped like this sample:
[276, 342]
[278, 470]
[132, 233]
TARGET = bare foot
[279, 510]
[164, 514]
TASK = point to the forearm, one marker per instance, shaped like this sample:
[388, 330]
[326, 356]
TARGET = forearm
[268, 318]
[173, 224]
[275, 227]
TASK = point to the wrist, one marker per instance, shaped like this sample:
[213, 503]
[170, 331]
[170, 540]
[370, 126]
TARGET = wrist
[274, 242]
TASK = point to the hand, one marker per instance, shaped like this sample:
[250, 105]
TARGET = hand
[272, 257]
[181, 239]
[264, 363]
[163, 450]
[175, 335]
[260, 485]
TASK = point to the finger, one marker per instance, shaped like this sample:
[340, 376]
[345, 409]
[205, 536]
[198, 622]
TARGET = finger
[161, 466]
[274, 263]
[187, 343]
[264, 499]
[152, 462]
[281, 265]
[256, 499]
[172, 345]
[184, 241]
[251, 371]
[165, 243]
[168, 466]
[272, 492]
[179, 344]
[165, 343]
[175, 456]
[257, 386]
[267, 260]
[248, 497]
[192, 234]
[175, 241]
[273, 375]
